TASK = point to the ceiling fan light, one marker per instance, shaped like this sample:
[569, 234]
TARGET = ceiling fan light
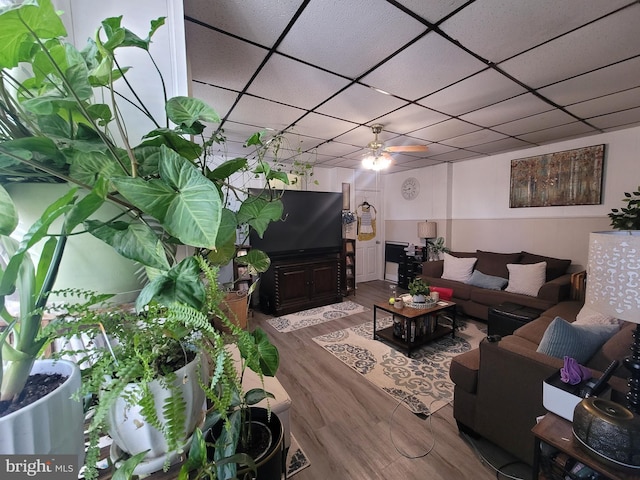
[379, 162]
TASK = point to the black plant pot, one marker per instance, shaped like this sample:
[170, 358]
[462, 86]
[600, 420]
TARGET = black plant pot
[271, 463]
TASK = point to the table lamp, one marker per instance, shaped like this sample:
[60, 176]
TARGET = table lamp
[613, 289]
[427, 230]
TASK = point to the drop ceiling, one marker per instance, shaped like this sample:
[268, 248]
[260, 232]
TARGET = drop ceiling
[466, 78]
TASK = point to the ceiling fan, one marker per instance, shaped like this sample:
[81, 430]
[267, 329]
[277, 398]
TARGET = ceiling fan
[380, 156]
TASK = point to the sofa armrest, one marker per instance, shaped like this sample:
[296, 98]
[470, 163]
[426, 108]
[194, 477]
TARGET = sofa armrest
[433, 269]
[556, 290]
[509, 393]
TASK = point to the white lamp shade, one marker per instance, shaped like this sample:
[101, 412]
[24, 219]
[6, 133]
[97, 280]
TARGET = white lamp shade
[613, 274]
[427, 229]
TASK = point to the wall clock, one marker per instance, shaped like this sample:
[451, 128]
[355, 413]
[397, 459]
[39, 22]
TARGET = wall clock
[410, 188]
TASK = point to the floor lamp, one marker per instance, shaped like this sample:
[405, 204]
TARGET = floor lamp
[613, 288]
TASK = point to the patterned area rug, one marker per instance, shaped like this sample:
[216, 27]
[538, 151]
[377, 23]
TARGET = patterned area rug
[421, 382]
[314, 316]
[296, 458]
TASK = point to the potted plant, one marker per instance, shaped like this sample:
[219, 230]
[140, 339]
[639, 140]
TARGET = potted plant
[28, 395]
[419, 290]
[627, 218]
[435, 248]
[54, 128]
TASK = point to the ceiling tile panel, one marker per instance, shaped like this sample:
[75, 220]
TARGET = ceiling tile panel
[533, 123]
[621, 76]
[322, 126]
[294, 83]
[219, 98]
[475, 92]
[264, 114]
[409, 118]
[444, 130]
[426, 66]
[336, 149]
[626, 118]
[234, 17]
[580, 51]
[499, 146]
[433, 12]
[562, 132]
[474, 138]
[360, 104]
[219, 59]
[508, 110]
[496, 30]
[348, 38]
[607, 104]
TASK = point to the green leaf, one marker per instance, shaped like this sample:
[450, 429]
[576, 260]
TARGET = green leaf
[256, 395]
[188, 110]
[35, 233]
[268, 353]
[181, 284]
[257, 259]
[153, 197]
[282, 176]
[223, 253]
[228, 168]
[125, 471]
[259, 212]
[173, 140]
[135, 241]
[8, 213]
[15, 23]
[86, 206]
[44, 263]
[195, 212]
[87, 167]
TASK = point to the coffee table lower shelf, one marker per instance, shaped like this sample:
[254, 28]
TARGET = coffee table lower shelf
[387, 335]
[413, 321]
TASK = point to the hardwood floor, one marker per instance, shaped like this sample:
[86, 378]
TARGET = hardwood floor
[343, 422]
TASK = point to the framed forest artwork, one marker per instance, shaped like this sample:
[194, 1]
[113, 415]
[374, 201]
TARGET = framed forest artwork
[572, 177]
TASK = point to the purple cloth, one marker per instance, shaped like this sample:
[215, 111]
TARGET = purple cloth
[573, 373]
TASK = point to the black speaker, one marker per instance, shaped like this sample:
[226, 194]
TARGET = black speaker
[608, 431]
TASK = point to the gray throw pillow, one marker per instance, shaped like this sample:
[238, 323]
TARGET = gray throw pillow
[479, 279]
[580, 342]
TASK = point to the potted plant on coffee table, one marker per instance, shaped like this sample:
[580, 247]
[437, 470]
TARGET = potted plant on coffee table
[419, 290]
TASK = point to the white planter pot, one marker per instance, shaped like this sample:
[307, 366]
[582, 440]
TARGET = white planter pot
[419, 298]
[54, 424]
[132, 434]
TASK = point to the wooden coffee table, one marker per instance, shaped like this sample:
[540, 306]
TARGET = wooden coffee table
[413, 327]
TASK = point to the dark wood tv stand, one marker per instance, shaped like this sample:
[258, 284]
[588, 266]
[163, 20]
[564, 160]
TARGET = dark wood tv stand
[300, 281]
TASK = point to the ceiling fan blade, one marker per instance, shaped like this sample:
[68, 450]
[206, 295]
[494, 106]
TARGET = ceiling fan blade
[406, 149]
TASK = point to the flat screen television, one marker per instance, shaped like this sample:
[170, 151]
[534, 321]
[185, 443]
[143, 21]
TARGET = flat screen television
[312, 224]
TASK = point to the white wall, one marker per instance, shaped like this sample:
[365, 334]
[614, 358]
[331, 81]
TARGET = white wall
[470, 202]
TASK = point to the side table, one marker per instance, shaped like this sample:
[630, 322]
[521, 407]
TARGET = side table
[556, 432]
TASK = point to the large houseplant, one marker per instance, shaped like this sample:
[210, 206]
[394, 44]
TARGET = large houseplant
[55, 127]
[627, 218]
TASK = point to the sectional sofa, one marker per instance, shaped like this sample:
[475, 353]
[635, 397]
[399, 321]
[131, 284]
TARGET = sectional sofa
[498, 387]
[481, 279]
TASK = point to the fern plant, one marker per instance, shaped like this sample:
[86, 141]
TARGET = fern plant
[140, 348]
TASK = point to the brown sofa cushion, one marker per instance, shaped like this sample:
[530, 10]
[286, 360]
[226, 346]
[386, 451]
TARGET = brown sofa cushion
[556, 267]
[495, 264]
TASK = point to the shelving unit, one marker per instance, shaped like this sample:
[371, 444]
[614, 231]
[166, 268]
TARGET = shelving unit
[242, 278]
[348, 267]
[408, 267]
